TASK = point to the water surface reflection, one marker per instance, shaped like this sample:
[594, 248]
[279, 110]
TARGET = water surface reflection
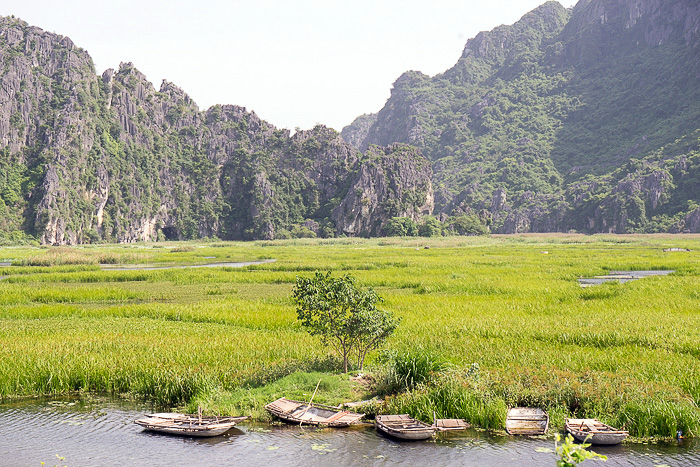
[100, 432]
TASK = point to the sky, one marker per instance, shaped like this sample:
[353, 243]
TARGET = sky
[294, 63]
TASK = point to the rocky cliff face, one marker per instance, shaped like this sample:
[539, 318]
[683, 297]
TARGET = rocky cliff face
[648, 22]
[49, 92]
[356, 132]
[391, 182]
[582, 119]
[557, 111]
[88, 158]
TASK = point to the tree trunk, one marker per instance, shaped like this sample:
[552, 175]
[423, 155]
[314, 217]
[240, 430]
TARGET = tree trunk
[345, 358]
[361, 359]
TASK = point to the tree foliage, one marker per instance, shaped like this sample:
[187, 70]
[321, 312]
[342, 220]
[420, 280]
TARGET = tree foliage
[343, 314]
[401, 227]
[466, 225]
[430, 227]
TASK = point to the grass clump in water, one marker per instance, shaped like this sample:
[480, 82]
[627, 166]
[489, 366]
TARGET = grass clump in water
[405, 371]
[333, 389]
[64, 256]
[448, 395]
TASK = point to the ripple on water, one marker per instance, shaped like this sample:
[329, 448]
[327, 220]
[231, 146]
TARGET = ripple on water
[102, 432]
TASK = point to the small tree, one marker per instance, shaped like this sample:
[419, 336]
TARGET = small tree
[371, 327]
[342, 314]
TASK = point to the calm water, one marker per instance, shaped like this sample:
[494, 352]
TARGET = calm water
[101, 432]
[145, 267]
[622, 277]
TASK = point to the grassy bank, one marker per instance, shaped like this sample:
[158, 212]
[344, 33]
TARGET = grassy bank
[504, 313]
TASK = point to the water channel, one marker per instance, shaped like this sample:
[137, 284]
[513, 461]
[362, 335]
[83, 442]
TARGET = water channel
[145, 267]
[95, 431]
[621, 277]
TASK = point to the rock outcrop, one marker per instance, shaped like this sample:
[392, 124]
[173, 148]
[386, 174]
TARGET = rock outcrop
[391, 182]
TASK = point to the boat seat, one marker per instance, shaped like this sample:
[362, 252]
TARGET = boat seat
[284, 407]
[336, 416]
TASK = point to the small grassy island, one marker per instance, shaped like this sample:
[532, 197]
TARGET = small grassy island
[485, 323]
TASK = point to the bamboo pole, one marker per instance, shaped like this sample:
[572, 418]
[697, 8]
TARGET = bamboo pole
[310, 401]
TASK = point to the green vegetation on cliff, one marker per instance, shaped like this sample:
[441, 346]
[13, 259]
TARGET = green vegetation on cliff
[560, 100]
[88, 158]
[579, 119]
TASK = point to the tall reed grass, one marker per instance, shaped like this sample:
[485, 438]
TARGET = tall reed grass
[624, 353]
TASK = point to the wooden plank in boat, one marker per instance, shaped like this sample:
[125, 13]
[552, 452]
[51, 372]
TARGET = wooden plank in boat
[448, 424]
[526, 421]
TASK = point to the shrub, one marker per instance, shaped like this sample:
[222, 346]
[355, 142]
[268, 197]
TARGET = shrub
[430, 227]
[401, 227]
[406, 371]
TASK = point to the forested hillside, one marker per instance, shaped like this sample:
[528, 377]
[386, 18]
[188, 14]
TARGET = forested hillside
[582, 118]
[87, 158]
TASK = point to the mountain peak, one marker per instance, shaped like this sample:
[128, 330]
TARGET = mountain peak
[650, 22]
[544, 21]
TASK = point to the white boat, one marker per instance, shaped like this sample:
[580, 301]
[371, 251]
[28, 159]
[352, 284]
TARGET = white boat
[188, 425]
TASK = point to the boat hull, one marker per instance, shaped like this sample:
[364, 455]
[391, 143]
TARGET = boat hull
[594, 432]
[188, 425]
[599, 439]
[404, 427]
[190, 432]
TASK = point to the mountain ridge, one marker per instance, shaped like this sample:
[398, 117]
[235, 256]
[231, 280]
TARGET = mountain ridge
[109, 158]
[532, 110]
[582, 119]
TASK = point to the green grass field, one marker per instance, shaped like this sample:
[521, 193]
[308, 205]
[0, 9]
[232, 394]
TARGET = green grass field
[505, 313]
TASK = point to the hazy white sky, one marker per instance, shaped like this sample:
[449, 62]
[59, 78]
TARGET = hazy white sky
[295, 63]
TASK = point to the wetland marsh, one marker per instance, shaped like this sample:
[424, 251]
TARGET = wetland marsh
[510, 324]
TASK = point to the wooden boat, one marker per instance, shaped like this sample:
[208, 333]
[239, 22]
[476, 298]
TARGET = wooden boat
[450, 424]
[594, 431]
[526, 421]
[312, 414]
[188, 425]
[404, 427]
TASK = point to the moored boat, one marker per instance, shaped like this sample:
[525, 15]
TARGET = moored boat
[312, 414]
[450, 424]
[593, 431]
[404, 427]
[526, 421]
[188, 425]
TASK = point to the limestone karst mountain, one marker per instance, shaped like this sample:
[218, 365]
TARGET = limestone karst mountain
[85, 158]
[583, 119]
